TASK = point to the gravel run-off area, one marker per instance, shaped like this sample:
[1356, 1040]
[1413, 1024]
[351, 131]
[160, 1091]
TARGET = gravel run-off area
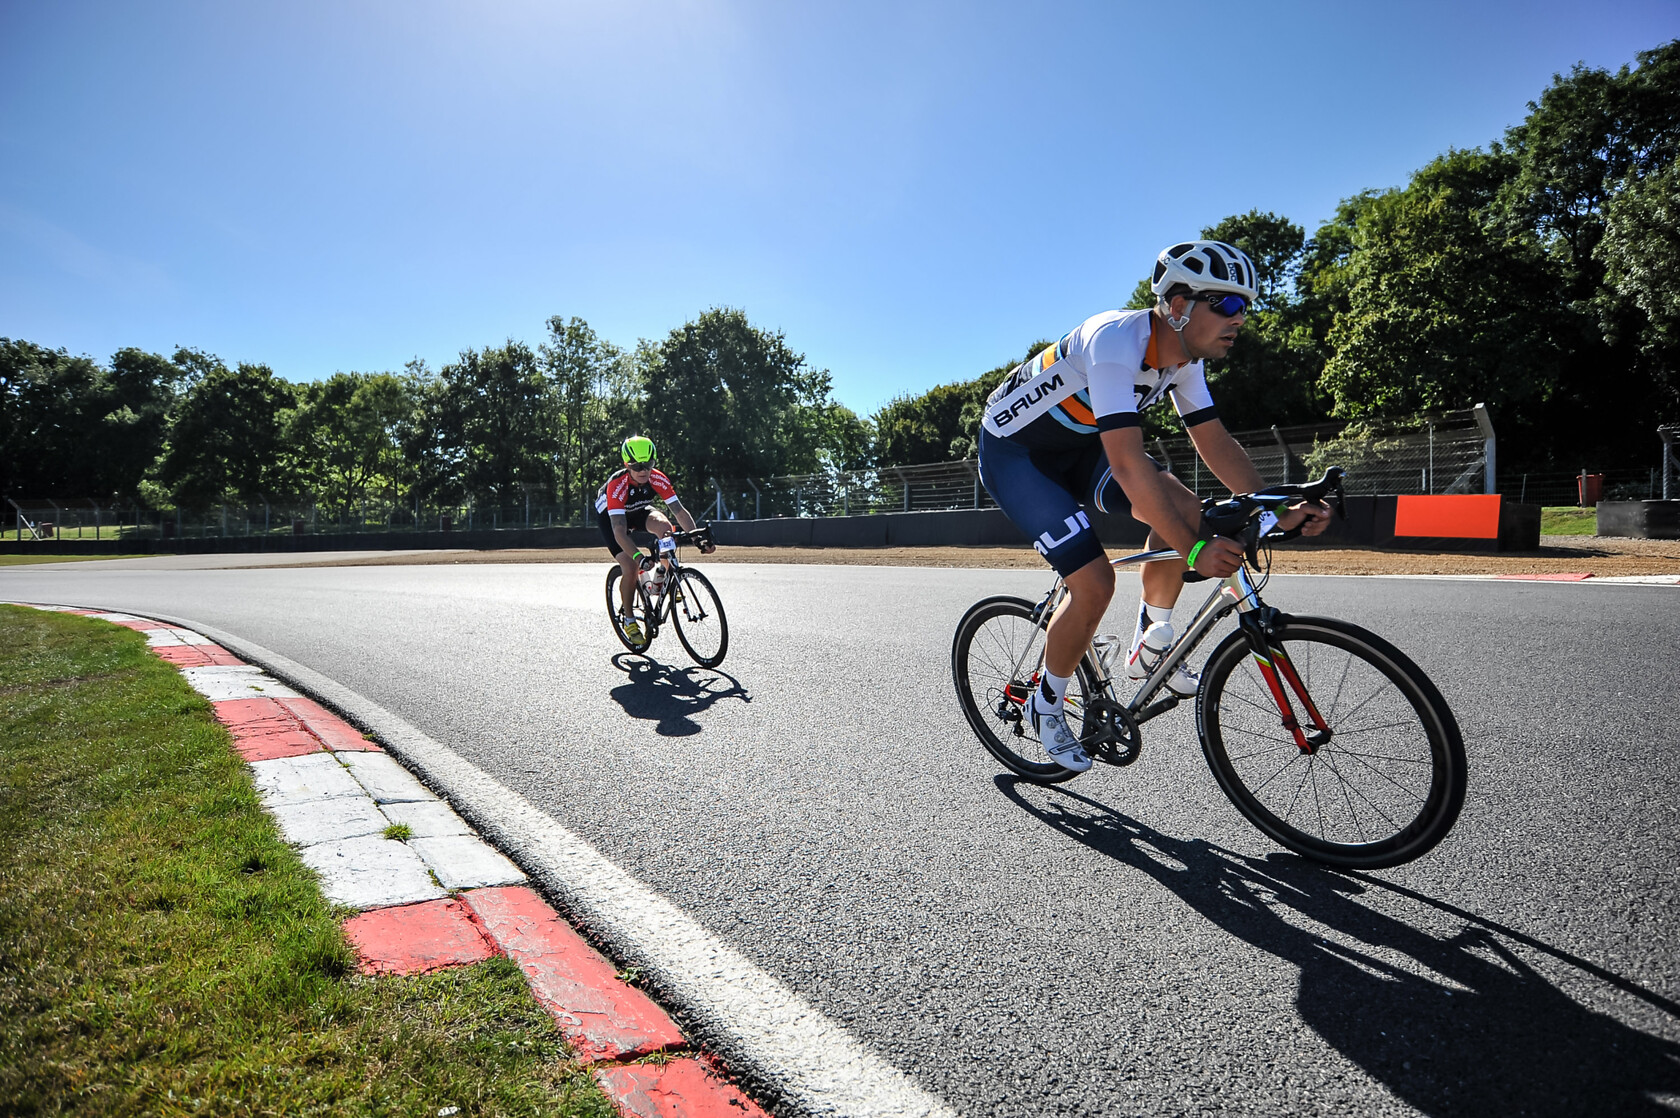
[1601, 557]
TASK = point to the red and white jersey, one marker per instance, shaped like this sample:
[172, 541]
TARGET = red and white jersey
[621, 495]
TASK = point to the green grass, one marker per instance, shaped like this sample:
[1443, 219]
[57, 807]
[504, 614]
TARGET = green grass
[24, 560]
[163, 951]
[1567, 520]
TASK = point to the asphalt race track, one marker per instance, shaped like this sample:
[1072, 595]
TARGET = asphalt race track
[1124, 945]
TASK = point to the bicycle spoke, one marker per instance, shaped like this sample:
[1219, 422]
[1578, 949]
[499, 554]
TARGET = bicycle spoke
[1392, 822]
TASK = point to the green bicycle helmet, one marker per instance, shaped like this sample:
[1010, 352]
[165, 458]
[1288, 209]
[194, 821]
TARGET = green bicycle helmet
[637, 451]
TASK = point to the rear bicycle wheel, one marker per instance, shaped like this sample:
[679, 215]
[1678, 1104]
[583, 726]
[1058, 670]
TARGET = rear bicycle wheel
[640, 611]
[995, 664]
[698, 613]
[1382, 786]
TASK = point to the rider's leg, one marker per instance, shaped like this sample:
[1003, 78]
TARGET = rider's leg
[1090, 589]
[1164, 579]
[626, 565]
[657, 525]
[627, 583]
[1162, 582]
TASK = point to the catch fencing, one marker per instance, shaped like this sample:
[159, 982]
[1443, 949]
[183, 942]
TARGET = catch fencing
[1450, 453]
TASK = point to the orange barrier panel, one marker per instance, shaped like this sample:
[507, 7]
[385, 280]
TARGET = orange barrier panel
[1473, 516]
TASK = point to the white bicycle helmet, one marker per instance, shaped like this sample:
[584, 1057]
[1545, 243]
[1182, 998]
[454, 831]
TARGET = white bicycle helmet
[1205, 266]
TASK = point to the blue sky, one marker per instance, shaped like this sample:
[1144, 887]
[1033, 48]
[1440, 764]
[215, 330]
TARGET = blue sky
[912, 192]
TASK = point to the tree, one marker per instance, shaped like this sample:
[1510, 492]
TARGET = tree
[50, 410]
[1641, 249]
[227, 438]
[729, 400]
[942, 423]
[494, 416]
[346, 436]
[584, 372]
[145, 391]
[1270, 375]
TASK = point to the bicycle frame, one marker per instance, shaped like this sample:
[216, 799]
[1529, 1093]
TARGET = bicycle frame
[1236, 592]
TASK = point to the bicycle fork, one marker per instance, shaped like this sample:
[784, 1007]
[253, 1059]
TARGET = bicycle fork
[1277, 669]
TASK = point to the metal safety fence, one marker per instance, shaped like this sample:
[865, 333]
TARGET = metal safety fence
[1450, 453]
[1454, 452]
[94, 520]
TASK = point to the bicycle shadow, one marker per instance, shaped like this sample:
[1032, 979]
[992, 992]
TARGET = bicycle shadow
[1486, 1034]
[671, 696]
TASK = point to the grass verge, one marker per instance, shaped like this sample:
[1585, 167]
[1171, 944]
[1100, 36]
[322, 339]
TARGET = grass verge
[31, 560]
[1567, 520]
[163, 951]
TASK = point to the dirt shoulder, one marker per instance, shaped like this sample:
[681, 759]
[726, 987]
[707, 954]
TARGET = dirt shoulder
[1601, 557]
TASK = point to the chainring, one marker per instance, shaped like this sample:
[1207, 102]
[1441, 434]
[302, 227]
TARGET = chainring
[1111, 735]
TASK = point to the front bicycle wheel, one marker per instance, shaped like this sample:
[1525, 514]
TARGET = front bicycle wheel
[1382, 783]
[995, 662]
[640, 611]
[698, 613]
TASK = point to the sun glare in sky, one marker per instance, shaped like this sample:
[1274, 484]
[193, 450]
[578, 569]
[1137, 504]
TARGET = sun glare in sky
[911, 192]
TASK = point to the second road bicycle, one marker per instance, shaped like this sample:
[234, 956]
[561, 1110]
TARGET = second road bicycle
[1325, 736]
[670, 591]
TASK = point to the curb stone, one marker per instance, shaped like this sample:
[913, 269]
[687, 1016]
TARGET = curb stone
[441, 898]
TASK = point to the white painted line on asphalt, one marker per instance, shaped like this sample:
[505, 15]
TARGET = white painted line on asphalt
[1510, 580]
[370, 873]
[756, 1021]
[465, 862]
[385, 779]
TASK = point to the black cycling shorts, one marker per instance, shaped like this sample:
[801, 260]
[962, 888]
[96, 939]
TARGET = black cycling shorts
[1045, 492]
[634, 521]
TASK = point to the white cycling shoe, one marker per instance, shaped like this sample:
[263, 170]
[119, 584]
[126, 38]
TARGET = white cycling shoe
[1058, 740]
[1157, 641]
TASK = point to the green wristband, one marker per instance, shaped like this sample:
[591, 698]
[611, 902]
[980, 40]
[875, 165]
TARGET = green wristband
[1190, 559]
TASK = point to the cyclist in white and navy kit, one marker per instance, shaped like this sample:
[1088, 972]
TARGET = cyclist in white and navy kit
[1062, 433]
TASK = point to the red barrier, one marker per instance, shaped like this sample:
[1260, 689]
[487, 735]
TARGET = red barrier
[1463, 516]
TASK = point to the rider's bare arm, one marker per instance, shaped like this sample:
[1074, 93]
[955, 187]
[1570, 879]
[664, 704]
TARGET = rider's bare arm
[1227, 459]
[683, 516]
[621, 533]
[1138, 476]
[1231, 464]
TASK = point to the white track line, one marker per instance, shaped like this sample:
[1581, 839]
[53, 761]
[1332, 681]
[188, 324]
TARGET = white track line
[757, 1023]
[1596, 580]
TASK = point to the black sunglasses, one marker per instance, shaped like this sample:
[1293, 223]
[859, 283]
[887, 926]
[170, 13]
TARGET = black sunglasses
[1227, 305]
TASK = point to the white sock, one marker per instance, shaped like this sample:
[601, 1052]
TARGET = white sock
[1149, 615]
[1051, 688]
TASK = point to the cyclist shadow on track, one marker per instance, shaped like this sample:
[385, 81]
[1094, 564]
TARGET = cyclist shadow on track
[671, 696]
[1496, 1037]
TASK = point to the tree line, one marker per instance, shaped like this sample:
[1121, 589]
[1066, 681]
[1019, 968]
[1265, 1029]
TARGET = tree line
[1539, 275]
[495, 427]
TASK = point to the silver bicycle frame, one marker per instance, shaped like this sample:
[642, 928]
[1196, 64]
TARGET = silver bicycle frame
[1236, 592]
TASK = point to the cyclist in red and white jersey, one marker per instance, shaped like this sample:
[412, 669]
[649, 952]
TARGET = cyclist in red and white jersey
[624, 505]
[1062, 432]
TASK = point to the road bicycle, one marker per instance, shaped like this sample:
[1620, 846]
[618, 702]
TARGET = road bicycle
[682, 596]
[1325, 736]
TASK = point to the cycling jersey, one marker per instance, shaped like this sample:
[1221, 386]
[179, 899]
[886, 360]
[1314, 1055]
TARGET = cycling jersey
[621, 494]
[1097, 378]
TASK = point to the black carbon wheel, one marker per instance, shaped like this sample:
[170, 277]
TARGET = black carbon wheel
[1382, 787]
[640, 612]
[993, 637]
[698, 613]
